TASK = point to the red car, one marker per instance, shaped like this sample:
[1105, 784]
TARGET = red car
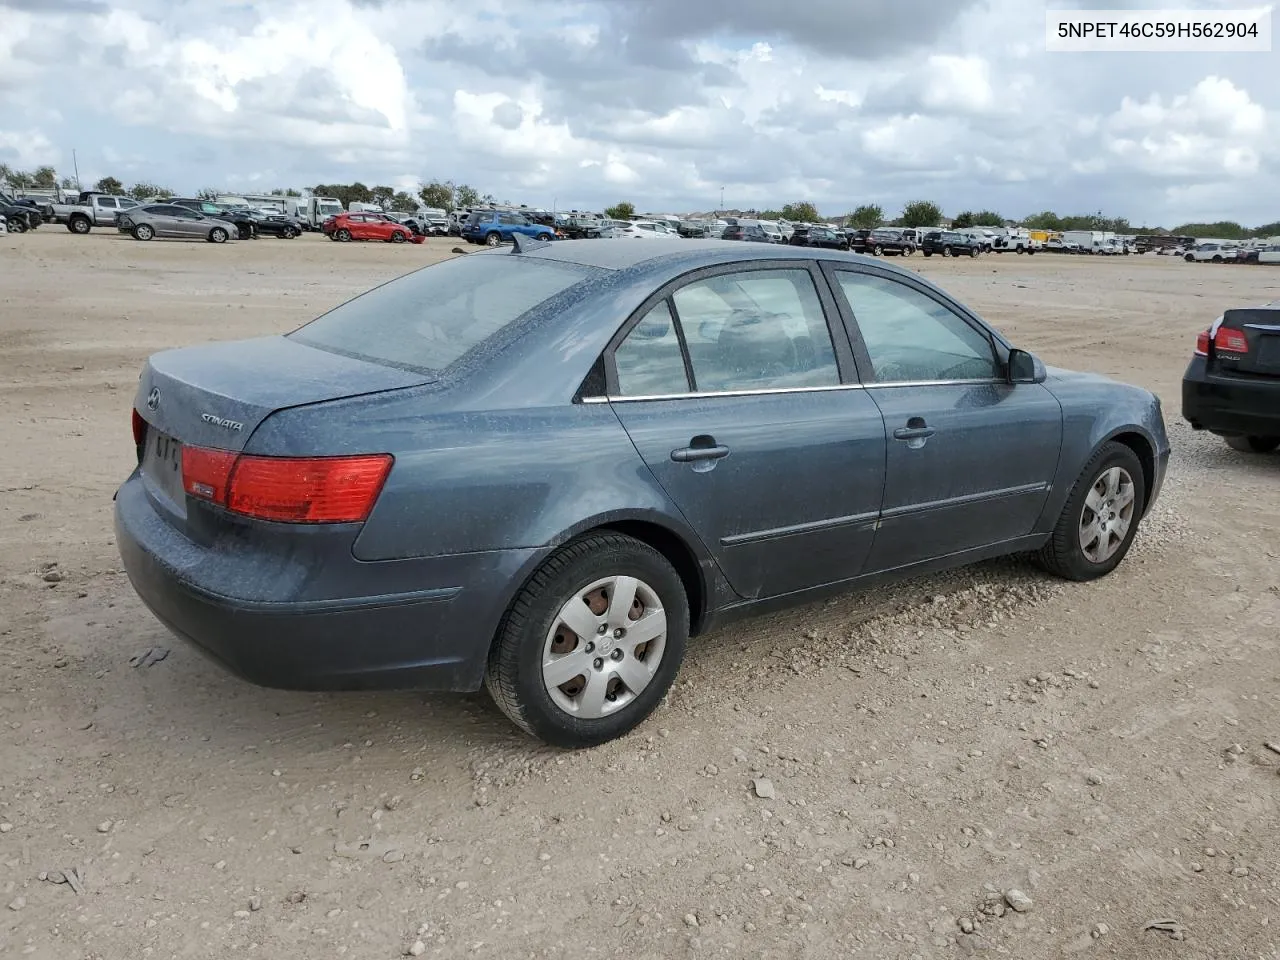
[365, 226]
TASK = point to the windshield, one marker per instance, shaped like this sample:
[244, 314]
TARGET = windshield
[330, 208]
[428, 319]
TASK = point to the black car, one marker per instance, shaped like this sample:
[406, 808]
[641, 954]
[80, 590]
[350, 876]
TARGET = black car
[246, 223]
[1232, 385]
[887, 242]
[40, 205]
[949, 244]
[750, 231]
[858, 239]
[823, 237]
[18, 216]
[276, 225]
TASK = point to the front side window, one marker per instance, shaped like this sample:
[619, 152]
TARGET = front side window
[756, 330]
[912, 337]
[649, 361]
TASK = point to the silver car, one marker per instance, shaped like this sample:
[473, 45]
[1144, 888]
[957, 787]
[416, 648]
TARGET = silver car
[168, 220]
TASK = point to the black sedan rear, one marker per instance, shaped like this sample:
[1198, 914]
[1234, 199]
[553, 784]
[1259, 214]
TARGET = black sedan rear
[1232, 385]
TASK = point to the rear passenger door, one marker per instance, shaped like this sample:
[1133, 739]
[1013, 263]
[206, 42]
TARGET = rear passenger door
[738, 388]
[971, 457]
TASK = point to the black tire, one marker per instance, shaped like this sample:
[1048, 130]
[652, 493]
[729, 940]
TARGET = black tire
[1217, 258]
[342, 236]
[1190, 258]
[17, 225]
[946, 252]
[928, 253]
[79, 223]
[492, 238]
[399, 237]
[244, 232]
[288, 233]
[1031, 251]
[1063, 554]
[908, 250]
[973, 253]
[843, 246]
[877, 250]
[218, 235]
[143, 231]
[1253, 444]
[514, 675]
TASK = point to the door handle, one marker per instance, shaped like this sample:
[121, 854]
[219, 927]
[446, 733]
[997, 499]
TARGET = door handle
[693, 454]
[916, 429]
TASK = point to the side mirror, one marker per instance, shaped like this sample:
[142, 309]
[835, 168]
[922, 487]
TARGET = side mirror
[1026, 367]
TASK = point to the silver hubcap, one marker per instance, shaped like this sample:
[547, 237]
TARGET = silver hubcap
[604, 647]
[1107, 514]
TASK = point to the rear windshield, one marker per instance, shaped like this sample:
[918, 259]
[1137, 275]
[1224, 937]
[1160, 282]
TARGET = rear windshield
[428, 319]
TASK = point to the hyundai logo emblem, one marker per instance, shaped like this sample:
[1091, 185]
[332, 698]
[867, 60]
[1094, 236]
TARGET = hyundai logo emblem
[153, 398]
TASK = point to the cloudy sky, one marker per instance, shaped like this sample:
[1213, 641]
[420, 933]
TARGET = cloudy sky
[581, 103]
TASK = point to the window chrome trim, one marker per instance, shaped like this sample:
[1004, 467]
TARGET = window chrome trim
[708, 394]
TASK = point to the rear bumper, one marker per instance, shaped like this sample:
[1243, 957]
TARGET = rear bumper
[1230, 406]
[295, 610]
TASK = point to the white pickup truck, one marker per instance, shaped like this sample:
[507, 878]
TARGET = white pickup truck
[92, 210]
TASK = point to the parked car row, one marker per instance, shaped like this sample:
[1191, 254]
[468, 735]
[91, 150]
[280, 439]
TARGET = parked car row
[1226, 253]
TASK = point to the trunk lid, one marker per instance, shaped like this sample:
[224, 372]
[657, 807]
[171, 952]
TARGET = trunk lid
[215, 395]
[1261, 329]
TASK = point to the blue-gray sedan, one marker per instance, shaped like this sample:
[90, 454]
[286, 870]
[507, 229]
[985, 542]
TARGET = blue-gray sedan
[544, 468]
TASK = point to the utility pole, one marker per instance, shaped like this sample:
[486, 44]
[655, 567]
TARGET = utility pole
[76, 166]
[722, 200]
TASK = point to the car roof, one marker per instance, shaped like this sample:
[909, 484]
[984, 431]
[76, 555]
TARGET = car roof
[687, 255]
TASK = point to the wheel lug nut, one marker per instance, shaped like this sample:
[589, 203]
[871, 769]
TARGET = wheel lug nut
[599, 662]
[601, 629]
[591, 647]
[616, 655]
[619, 634]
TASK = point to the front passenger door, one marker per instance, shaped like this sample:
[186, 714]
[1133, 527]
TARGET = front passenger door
[971, 457]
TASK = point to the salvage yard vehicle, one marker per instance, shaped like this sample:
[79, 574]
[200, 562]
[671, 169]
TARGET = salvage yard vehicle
[823, 237]
[19, 217]
[949, 244]
[495, 227]
[171, 221]
[1211, 253]
[1232, 385]
[244, 220]
[542, 469]
[884, 242]
[91, 210]
[346, 227]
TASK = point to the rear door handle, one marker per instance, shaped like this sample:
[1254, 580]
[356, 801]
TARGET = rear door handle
[692, 454]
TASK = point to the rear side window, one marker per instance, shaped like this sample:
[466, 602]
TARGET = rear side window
[650, 362]
[428, 319]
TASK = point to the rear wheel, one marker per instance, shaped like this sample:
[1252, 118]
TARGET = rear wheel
[946, 252]
[877, 250]
[928, 253]
[1217, 258]
[244, 231]
[908, 250]
[143, 231]
[1100, 518]
[218, 235]
[1253, 444]
[342, 236]
[492, 238]
[592, 642]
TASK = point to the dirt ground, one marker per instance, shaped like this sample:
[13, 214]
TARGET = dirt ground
[1098, 747]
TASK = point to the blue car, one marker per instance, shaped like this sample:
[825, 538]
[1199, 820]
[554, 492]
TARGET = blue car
[544, 468]
[495, 227]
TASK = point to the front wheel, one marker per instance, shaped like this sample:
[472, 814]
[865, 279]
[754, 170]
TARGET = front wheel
[1253, 444]
[592, 643]
[244, 232]
[907, 251]
[288, 233]
[399, 237]
[1189, 258]
[218, 235]
[928, 253]
[143, 231]
[492, 239]
[1100, 518]
[973, 253]
[1217, 258]
[878, 250]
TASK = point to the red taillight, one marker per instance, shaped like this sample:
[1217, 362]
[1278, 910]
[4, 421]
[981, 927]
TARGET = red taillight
[1202, 343]
[139, 428]
[287, 489]
[307, 490]
[205, 473]
[1229, 340]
